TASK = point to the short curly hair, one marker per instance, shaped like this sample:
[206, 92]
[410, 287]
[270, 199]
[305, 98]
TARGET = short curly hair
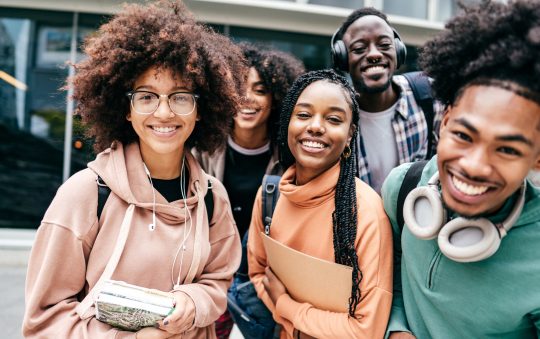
[278, 70]
[493, 43]
[357, 14]
[164, 35]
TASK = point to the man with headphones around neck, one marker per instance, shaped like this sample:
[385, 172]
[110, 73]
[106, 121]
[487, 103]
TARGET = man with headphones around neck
[393, 128]
[466, 262]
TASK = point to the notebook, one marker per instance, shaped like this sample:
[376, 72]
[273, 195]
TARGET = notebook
[323, 284]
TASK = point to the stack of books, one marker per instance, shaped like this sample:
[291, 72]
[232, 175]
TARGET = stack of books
[129, 307]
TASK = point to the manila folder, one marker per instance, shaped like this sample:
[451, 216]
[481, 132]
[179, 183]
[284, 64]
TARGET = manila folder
[323, 284]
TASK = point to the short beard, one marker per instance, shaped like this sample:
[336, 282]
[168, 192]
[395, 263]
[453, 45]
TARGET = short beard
[361, 87]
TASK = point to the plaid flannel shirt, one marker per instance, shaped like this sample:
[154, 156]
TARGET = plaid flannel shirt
[410, 129]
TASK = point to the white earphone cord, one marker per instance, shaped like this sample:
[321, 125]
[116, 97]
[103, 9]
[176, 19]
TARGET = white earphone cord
[187, 215]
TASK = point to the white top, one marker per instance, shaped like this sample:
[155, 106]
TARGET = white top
[380, 144]
[246, 151]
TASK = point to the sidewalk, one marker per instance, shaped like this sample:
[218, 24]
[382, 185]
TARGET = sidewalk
[14, 251]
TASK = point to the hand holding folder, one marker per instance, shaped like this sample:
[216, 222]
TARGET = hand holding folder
[323, 284]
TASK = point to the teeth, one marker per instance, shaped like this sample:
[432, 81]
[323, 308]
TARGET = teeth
[374, 69]
[313, 144]
[468, 189]
[247, 111]
[163, 129]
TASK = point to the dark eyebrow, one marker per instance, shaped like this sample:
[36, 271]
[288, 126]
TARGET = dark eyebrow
[331, 108]
[517, 138]
[302, 104]
[512, 137]
[466, 124]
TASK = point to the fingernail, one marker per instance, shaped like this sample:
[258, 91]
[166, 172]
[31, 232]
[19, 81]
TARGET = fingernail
[165, 322]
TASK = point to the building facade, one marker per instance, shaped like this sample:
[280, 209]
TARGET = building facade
[41, 144]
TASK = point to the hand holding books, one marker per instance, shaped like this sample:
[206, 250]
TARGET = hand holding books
[182, 318]
[131, 307]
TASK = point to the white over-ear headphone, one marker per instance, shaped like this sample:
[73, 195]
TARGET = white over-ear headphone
[461, 239]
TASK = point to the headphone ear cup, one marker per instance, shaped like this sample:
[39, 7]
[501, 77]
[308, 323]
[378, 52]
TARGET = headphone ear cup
[423, 212]
[340, 56]
[401, 52]
[469, 240]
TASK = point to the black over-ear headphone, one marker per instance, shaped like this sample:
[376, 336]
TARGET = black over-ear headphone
[340, 55]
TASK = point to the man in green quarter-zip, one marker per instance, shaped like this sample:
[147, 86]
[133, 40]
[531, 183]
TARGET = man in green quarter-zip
[466, 258]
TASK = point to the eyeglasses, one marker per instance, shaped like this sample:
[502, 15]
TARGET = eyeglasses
[180, 103]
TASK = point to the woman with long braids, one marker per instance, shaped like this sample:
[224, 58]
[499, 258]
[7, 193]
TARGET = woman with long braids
[321, 199]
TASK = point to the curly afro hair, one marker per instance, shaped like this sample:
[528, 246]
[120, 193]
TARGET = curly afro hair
[277, 70]
[163, 35]
[493, 43]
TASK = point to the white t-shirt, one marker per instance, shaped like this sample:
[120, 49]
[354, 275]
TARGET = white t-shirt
[380, 144]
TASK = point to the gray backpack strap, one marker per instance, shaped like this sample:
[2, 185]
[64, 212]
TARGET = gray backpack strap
[270, 195]
[103, 195]
[421, 89]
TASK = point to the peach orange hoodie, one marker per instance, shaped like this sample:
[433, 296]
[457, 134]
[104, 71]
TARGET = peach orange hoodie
[72, 248]
[303, 220]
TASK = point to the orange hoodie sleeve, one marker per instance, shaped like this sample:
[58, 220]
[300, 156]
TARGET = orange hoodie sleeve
[57, 269]
[257, 261]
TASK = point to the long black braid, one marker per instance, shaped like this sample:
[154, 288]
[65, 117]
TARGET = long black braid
[344, 218]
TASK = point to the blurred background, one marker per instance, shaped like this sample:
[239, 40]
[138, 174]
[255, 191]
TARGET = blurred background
[42, 144]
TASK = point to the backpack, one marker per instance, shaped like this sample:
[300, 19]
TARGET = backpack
[104, 191]
[411, 179]
[249, 313]
[421, 89]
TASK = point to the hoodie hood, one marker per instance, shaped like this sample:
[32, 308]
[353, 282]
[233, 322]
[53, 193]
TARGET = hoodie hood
[122, 169]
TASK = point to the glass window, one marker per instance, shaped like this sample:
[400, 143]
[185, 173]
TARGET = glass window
[448, 8]
[313, 50]
[339, 3]
[34, 46]
[413, 9]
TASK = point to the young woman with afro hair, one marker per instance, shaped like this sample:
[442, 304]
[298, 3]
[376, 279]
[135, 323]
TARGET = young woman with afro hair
[326, 212]
[472, 269]
[155, 84]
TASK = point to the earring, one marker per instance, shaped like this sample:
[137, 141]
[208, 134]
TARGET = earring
[346, 152]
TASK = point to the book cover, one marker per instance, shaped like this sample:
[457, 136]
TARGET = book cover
[131, 307]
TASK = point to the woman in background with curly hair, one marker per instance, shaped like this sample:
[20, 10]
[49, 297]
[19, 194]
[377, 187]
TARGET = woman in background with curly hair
[251, 149]
[155, 84]
[326, 212]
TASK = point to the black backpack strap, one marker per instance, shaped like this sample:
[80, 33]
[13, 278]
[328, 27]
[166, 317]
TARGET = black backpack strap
[412, 177]
[421, 88]
[209, 202]
[103, 194]
[270, 195]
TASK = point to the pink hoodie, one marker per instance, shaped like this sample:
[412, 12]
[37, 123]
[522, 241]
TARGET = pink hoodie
[72, 248]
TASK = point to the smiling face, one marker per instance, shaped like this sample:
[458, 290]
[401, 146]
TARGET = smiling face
[255, 112]
[372, 54]
[320, 128]
[162, 134]
[489, 141]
